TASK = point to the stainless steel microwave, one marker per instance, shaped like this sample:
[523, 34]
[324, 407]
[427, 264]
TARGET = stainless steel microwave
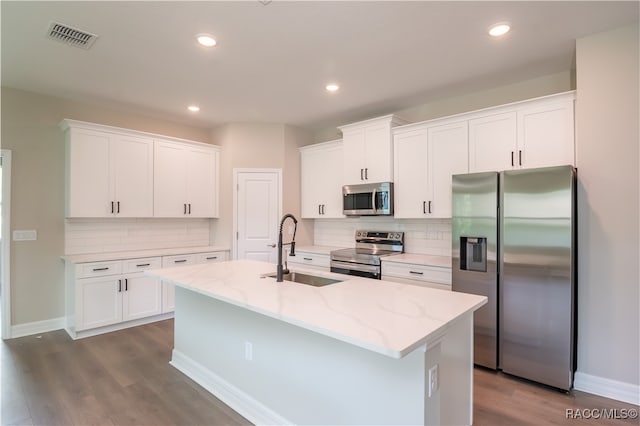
[370, 199]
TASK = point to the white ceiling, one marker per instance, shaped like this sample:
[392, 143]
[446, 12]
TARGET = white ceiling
[272, 62]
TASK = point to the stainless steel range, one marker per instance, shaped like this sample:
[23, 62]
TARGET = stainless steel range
[364, 259]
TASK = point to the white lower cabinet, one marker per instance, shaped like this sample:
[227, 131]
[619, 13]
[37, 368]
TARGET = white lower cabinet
[113, 292]
[310, 260]
[168, 289]
[421, 275]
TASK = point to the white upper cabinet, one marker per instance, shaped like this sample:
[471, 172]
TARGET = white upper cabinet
[185, 180]
[321, 188]
[368, 150]
[529, 134]
[108, 174]
[425, 157]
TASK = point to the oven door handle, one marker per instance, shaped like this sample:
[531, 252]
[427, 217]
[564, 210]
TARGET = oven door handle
[355, 266]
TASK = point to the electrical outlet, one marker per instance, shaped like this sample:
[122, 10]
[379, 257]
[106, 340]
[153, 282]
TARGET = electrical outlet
[433, 380]
[248, 351]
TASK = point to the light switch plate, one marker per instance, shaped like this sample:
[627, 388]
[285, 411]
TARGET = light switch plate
[25, 235]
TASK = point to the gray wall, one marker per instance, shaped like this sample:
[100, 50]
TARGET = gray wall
[30, 130]
[608, 251]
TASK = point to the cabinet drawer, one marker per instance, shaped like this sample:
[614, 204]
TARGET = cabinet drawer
[310, 259]
[179, 260]
[423, 273]
[214, 256]
[98, 269]
[138, 265]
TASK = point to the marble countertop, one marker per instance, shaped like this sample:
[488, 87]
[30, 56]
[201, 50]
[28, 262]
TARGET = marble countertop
[133, 254]
[389, 318]
[419, 259]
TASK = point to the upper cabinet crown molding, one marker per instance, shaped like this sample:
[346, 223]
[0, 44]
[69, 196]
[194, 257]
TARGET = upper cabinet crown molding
[69, 123]
[392, 119]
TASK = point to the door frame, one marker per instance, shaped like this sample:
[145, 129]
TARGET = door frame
[5, 259]
[236, 173]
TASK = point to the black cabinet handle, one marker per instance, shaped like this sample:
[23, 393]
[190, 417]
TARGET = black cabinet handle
[416, 273]
[429, 206]
[319, 209]
[424, 207]
[520, 157]
[189, 208]
[366, 174]
[180, 261]
[119, 286]
[126, 284]
[307, 258]
[118, 211]
[361, 171]
[322, 208]
[143, 264]
[112, 207]
[512, 164]
[106, 268]
[185, 208]
[212, 257]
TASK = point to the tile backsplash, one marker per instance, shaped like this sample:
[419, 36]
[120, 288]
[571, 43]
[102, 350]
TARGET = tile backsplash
[421, 236]
[116, 234]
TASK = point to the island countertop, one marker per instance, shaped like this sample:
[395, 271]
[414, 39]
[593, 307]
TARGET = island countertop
[390, 318]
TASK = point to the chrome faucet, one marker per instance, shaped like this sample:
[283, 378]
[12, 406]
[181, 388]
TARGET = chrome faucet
[280, 271]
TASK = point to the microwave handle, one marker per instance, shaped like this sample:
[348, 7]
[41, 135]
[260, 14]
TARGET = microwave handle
[374, 200]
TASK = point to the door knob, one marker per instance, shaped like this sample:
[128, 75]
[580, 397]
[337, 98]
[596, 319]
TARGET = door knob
[271, 245]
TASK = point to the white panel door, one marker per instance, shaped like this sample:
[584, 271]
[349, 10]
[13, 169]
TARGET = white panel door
[89, 174]
[132, 160]
[258, 204]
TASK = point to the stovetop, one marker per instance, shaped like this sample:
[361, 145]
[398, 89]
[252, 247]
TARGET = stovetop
[370, 247]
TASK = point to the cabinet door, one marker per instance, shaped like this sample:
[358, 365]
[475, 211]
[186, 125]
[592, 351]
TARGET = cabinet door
[168, 289]
[99, 302]
[378, 153]
[88, 167]
[201, 182]
[492, 143]
[354, 156]
[142, 297]
[410, 174]
[546, 135]
[321, 181]
[132, 171]
[169, 179]
[448, 148]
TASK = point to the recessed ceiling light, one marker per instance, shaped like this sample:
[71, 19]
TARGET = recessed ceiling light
[206, 40]
[332, 87]
[193, 108]
[501, 28]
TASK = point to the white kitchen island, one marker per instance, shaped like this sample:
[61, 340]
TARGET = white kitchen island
[354, 352]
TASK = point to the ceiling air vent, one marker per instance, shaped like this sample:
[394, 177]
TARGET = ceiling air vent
[71, 36]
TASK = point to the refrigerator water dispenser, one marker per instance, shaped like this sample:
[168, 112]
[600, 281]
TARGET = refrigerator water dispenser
[473, 254]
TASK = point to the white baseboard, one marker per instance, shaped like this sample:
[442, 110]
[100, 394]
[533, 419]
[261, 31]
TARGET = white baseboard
[245, 405]
[36, 327]
[608, 388]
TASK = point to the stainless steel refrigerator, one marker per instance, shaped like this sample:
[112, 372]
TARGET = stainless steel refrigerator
[514, 241]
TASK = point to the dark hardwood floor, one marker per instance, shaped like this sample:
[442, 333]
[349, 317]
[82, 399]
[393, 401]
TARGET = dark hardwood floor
[123, 378]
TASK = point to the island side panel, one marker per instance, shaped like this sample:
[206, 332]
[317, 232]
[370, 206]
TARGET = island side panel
[295, 375]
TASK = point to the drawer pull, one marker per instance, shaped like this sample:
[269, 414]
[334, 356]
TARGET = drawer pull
[180, 261]
[212, 257]
[119, 286]
[307, 258]
[143, 264]
[100, 269]
[416, 273]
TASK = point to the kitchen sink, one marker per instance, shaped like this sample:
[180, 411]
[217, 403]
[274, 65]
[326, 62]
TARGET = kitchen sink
[299, 277]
